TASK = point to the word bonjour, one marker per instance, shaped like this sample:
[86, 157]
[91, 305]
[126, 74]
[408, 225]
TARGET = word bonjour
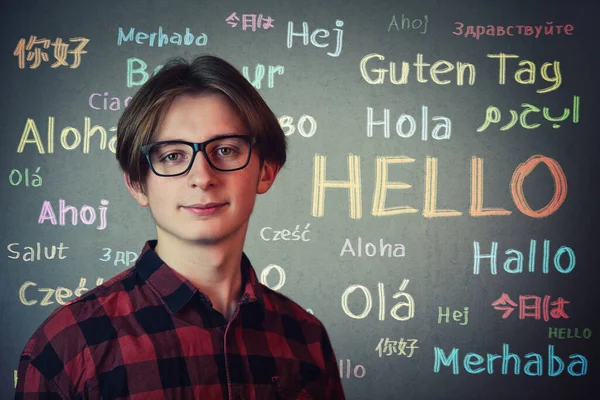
[70, 137]
[370, 249]
[409, 302]
[472, 362]
[60, 294]
[408, 24]
[514, 263]
[389, 347]
[31, 254]
[457, 315]
[160, 38]
[285, 234]
[87, 214]
[524, 76]
[316, 34]
[430, 209]
[522, 30]
[566, 333]
[17, 177]
[124, 257]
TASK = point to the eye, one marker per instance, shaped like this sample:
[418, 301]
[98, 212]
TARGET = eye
[171, 157]
[225, 151]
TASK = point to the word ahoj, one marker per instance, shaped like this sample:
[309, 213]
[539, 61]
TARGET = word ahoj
[514, 263]
[371, 250]
[493, 116]
[269, 234]
[567, 333]
[474, 363]
[34, 50]
[60, 294]
[160, 38]
[316, 34]
[31, 254]
[70, 137]
[112, 103]
[250, 21]
[407, 23]
[430, 208]
[87, 214]
[441, 131]
[457, 315]
[527, 74]
[409, 302]
[17, 177]
[399, 347]
[531, 306]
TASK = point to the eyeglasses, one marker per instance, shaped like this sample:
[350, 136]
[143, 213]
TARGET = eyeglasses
[175, 157]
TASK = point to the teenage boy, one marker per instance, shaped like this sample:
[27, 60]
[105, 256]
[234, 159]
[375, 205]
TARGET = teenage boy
[190, 320]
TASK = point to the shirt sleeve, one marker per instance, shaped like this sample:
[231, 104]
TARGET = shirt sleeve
[31, 384]
[333, 388]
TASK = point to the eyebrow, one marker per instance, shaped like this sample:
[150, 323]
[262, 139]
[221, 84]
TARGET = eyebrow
[210, 138]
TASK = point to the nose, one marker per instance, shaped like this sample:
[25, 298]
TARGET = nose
[201, 174]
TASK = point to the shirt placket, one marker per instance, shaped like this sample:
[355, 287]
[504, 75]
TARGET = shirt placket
[231, 390]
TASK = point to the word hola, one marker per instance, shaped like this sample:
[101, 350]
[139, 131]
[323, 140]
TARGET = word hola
[70, 137]
[527, 74]
[31, 254]
[442, 130]
[34, 50]
[493, 116]
[358, 372]
[112, 104]
[268, 234]
[409, 302]
[462, 317]
[250, 21]
[407, 23]
[16, 178]
[371, 250]
[472, 363]
[60, 294]
[399, 347]
[566, 333]
[87, 214]
[532, 307]
[514, 263]
[316, 34]
[160, 38]
[376, 76]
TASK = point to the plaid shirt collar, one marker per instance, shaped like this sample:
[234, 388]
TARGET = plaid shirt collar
[176, 291]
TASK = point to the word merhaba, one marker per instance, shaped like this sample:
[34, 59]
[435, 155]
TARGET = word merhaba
[430, 208]
[87, 214]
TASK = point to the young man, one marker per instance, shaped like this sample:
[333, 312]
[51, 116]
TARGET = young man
[190, 320]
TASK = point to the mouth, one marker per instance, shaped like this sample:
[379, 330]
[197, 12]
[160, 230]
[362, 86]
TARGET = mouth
[204, 209]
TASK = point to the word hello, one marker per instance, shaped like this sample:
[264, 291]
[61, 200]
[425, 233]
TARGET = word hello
[87, 214]
[472, 363]
[268, 234]
[371, 250]
[161, 39]
[442, 130]
[316, 34]
[60, 294]
[457, 315]
[17, 177]
[408, 24]
[70, 137]
[31, 254]
[112, 103]
[514, 263]
[408, 304]
[568, 333]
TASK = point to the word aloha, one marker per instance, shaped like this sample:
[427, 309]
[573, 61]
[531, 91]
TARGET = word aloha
[522, 30]
[372, 250]
[532, 307]
[493, 116]
[32, 51]
[397, 347]
[250, 21]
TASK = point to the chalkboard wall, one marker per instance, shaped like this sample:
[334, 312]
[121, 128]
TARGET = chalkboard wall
[438, 211]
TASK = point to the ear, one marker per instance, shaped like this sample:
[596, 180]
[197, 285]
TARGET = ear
[135, 191]
[268, 172]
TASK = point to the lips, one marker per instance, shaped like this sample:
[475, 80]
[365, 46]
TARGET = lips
[205, 205]
[205, 208]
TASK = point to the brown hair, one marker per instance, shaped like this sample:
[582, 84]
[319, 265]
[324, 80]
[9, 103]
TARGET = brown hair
[140, 120]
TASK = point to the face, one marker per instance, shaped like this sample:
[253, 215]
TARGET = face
[180, 205]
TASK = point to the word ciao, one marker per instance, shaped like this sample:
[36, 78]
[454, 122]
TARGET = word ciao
[493, 116]
[315, 35]
[160, 38]
[123, 257]
[531, 306]
[441, 131]
[31, 254]
[472, 363]
[371, 250]
[17, 177]
[408, 304]
[60, 294]
[112, 104]
[566, 333]
[514, 263]
[268, 234]
[457, 315]
[87, 214]
[407, 23]
[477, 31]
[430, 209]
[70, 137]
[399, 347]
[524, 76]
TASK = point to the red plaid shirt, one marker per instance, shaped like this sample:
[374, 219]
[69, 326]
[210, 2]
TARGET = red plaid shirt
[149, 334]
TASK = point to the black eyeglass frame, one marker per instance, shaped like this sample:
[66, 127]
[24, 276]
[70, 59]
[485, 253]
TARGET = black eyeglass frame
[199, 148]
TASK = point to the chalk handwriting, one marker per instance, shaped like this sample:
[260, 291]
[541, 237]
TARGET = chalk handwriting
[99, 101]
[123, 257]
[60, 294]
[527, 74]
[306, 125]
[17, 177]
[406, 125]
[34, 50]
[160, 39]
[477, 31]
[250, 21]
[407, 306]
[372, 250]
[86, 214]
[37, 253]
[402, 347]
[269, 234]
[409, 24]
[314, 37]
[259, 74]
[567, 333]
[462, 317]
[531, 306]
[359, 371]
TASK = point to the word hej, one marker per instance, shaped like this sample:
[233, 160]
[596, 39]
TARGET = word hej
[462, 317]
[522, 30]
[160, 38]
[524, 76]
[472, 363]
[16, 178]
[31, 254]
[430, 208]
[532, 307]
[407, 23]
[315, 35]
[408, 304]
[493, 116]
[372, 250]
[87, 214]
[33, 50]
[514, 263]
[399, 347]
[60, 294]
[250, 21]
